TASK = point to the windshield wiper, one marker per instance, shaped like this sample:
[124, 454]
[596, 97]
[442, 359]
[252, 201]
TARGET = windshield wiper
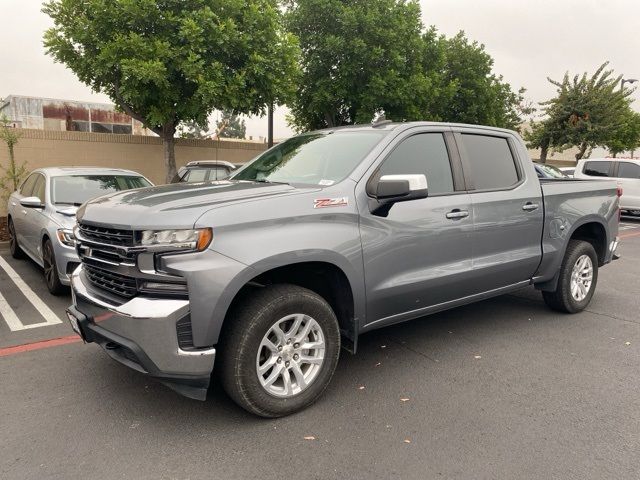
[74, 204]
[262, 180]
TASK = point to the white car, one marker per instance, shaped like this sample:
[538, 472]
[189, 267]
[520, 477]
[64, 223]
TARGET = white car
[568, 171]
[625, 171]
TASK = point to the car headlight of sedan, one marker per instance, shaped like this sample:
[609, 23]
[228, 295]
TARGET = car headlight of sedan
[66, 237]
[195, 240]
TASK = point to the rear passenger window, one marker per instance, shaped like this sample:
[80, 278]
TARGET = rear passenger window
[492, 163]
[628, 170]
[426, 154]
[597, 169]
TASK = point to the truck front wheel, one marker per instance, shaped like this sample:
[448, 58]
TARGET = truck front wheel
[280, 350]
[577, 281]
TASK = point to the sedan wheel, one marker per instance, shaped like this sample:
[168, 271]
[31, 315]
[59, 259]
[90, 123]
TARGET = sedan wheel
[51, 269]
[14, 248]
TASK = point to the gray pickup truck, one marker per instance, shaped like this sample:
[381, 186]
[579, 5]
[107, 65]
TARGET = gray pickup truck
[326, 236]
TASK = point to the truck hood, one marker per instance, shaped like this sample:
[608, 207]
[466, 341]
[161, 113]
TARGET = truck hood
[175, 205]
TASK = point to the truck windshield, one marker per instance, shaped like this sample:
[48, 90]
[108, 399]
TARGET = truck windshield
[316, 158]
[77, 189]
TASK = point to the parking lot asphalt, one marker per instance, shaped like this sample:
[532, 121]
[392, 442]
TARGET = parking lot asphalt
[502, 389]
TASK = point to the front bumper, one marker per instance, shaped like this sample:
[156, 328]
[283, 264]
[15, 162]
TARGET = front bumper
[67, 261]
[141, 333]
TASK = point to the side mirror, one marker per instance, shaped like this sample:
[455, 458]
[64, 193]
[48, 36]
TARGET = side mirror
[391, 189]
[31, 202]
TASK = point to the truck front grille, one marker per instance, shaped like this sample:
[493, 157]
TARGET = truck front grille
[120, 285]
[111, 236]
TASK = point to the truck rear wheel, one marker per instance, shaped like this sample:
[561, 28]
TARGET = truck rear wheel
[280, 351]
[577, 281]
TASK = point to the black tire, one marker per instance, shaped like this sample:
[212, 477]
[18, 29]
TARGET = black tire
[240, 344]
[14, 247]
[561, 299]
[50, 266]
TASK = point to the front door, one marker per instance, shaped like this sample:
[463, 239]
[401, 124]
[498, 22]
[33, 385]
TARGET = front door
[418, 255]
[34, 220]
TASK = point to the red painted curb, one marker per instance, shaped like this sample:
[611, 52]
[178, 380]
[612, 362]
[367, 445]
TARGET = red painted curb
[628, 235]
[27, 347]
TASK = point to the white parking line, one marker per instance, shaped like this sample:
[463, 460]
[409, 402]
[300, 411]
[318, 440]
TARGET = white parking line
[9, 315]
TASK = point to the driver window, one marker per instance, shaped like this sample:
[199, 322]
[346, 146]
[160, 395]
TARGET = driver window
[27, 187]
[38, 188]
[425, 153]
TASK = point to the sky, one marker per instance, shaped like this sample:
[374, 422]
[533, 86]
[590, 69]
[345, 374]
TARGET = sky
[528, 41]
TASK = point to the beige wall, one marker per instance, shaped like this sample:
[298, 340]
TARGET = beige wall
[143, 154]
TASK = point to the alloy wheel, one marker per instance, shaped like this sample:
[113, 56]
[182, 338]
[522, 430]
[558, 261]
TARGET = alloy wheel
[49, 264]
[290, 355]
[581, 278]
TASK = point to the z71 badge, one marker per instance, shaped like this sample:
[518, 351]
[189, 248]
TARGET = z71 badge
[330, 202]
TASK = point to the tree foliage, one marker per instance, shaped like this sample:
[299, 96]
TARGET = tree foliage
[168, 61]
[12, 174]
[193, 129]
[231, 125]
[361, 57]
[627, 136]
[587, 112]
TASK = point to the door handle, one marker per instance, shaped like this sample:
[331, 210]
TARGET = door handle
[530, 207]
[24, 212]
[457, 214]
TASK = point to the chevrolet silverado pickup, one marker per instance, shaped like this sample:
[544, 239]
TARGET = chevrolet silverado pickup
[320, 239]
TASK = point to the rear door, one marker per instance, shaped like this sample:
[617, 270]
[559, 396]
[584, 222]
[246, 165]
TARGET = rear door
[419, 254]
[628, 176]
[507, 208]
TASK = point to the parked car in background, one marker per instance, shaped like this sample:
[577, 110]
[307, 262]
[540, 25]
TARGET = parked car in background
[204, 171]
[326, 236]
[625, 171]
[42, 214]
[568, 171]
[544, 170]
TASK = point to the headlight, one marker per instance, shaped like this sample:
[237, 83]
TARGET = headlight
[67, 237]
[197, 240]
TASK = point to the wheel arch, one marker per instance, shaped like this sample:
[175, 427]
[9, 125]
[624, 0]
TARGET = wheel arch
[324, 277]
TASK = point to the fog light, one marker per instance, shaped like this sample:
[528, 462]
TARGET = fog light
[165, 287]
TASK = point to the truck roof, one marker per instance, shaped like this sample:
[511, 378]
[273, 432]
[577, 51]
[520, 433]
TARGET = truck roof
[399, 126]
[59, 171]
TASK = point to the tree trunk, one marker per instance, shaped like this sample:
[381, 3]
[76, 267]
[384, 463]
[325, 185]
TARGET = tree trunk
[12, 167]
[544, 150]
[168, 144]
[582, 151]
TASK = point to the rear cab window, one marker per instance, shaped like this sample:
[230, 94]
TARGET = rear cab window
[492, 163]
[597, 168]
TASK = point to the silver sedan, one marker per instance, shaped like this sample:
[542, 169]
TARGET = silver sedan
[42, 214]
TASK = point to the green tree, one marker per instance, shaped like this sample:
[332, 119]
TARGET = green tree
[231, 125]
[359, 57]
[627, 136]
[14, 172]
[588, 111]
[168, 61]
[364, 57]
[472, 92]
